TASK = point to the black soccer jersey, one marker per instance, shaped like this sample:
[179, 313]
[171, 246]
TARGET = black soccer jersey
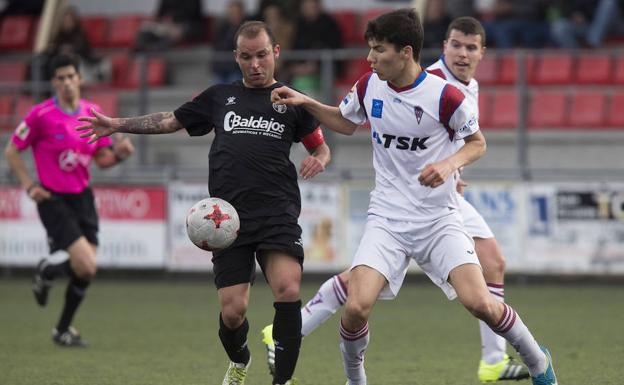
[249, 164]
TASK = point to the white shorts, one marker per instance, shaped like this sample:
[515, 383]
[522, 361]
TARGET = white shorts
[387, 246]
[474, 223]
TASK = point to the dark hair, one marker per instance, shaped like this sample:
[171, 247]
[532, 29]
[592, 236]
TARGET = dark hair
[400, 28]
[468, 26]
[63, 60]
[251, 29]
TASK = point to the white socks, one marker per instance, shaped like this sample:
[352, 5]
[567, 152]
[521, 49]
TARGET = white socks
[353, 347]
[331, 295]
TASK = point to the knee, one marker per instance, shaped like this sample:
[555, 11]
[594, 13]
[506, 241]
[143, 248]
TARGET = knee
[85, 271]
[483, 307]
[233, 314]
[287, 291]
[356, 315]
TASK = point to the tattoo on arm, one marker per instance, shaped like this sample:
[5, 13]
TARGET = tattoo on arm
[157, 123]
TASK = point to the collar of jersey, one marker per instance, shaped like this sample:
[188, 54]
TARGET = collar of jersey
[451, 72]
[418, 80]
[58, 105]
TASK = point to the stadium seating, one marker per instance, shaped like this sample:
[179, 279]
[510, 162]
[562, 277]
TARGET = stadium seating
[552, 69]
[588, 109]
[593, 69]
[96, 29]
[13, 72]
[547, 109]
[487, 71]
[107, 100]
[123, 30]
[484, 109]
[6, 112]
[365, 17]
[22, 107]
[615, 113]
[126, 71]
[354, 69]
[504, 110]
[16, 33]
[347, 21]
[618, 75]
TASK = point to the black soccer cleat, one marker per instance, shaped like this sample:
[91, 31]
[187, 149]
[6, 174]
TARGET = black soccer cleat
[69, 338]
[41, 286]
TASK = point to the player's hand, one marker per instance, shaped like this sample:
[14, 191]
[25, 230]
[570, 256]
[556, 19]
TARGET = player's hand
[99, 125]
[435, 174]
[461, 186]
[123, 147]
[310, 166]
[288, 96]
[38, 194]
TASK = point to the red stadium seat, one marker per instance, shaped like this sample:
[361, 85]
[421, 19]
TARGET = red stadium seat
[484, 109]
[6, 112]
[354, 69]
[487, 71]
[120, 64]
[618, 76]
[615, 113]
[588, 109]
[552, 69]
[96, 29]
[123, 30]
[16, 32]
[12, 71]
[347, 20]
[22, 108]
[504, 110]
[547, 109]
[593, 69]
[367, 16]
[508, 72]
[156, 71]
[108, 102]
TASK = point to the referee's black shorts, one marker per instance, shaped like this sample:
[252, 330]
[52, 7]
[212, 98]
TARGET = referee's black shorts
[67, 217]
[237, 263]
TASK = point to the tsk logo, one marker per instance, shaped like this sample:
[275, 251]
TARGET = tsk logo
[400, 142]
[234, 122]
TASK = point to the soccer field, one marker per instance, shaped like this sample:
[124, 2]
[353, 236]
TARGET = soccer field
[165, 333]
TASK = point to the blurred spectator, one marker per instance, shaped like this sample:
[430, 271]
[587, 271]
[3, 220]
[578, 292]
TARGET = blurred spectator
[283, 29]
[518, 23]
[316, 29]
[70, 39]
[227, 71]
[177, 21]
[289, 8]
[435, 23]
[579, 23]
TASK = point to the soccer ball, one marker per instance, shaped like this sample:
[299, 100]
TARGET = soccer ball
[212, 224]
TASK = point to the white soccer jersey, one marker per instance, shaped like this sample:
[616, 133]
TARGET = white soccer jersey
[470, 89]
[410, 128]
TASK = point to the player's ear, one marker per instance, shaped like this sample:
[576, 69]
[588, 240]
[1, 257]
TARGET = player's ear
[276, 50]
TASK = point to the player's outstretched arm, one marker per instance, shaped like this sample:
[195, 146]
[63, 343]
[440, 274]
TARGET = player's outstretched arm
[329, 116]
[435, 174]
[100, 125]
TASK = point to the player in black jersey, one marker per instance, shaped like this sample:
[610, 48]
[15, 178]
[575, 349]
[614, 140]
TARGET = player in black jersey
[249, 166]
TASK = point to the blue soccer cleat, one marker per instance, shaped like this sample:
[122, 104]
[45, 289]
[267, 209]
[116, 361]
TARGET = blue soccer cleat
[548, 377]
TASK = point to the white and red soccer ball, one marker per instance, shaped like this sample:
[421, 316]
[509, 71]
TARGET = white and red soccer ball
[212, 224]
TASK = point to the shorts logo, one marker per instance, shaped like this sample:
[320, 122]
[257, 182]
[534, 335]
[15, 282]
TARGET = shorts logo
[377, 109]
[280, 108]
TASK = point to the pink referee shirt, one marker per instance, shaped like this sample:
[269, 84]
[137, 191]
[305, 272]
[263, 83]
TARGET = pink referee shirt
[62, 158]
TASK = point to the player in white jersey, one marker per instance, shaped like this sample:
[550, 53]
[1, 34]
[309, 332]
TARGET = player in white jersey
[414, 212]
[464, 47]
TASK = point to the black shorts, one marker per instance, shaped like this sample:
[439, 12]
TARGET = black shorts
[67, 217]
[237, 263]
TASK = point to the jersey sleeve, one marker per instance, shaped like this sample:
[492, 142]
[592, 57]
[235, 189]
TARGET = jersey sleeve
[27, 131]
[352, 106]
[196, 115]
[306, 124]
[456, 114]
